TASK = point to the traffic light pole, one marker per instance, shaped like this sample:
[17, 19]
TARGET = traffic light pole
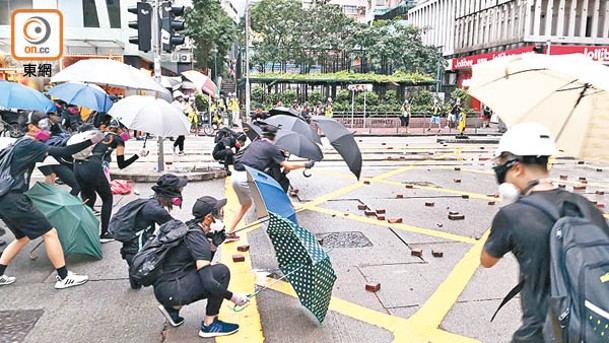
[247, 59]
[156, 53]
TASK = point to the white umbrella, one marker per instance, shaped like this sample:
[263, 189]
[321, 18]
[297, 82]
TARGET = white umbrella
[568, 94]
[152, 115]
[170, 82]
[109, 72]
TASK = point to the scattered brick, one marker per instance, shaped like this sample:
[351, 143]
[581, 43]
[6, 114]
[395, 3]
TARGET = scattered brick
[373, 287]
[380, 211]
[238, 258]
[395, 220]
[383, 144]
[366, 182]
[362, 207]
[581, 162]
[579, 188]
[369, 213]
[456, 216]
[457, 180]
[562, 186]
[399, 196]
[417, 252]
[430, 204]
[453, 212]
[481, 148]
[243, 248]
[564, 177]
[437, 253]
[465, 196]
[600, 192]
[491, 203]
[389, 158]
[582, 178]
[389, 148]
[457, 168]
[585, 182]
[402, 158]
[483, 158]
[293, 194]
[440, 225]
[409, 186]
[600, 205]
[600, 170]
[380, 217]
[594, 202]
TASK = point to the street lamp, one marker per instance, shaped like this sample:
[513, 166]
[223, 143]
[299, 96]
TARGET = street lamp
[215, 52]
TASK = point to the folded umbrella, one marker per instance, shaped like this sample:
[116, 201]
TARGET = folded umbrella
[77, 226]
[269, 196]
[18, 96]
[152, 115]
[299, 145]
[306, 264]
[342, 140]
[87, 95]
[296, 124]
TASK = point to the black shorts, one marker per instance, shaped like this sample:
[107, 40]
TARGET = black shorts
[21, 217]
[405, 121]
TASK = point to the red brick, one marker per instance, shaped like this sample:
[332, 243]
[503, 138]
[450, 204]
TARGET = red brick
[395, 220]
[456, 216]
[238, 258]
[483, 158]
[389, 148]
[373, 286]
[399, 196]
[465, 196]
[491, 203]
[585, 182]
[243, 248]
[293, 194]
[380, 211]
[381, 217]
[457, 168]
[481, 148]
[437, 253]
[417, 252]
[366, 182]
[600, 170]
[457, 180]
[600, 192]
[402, 158]
[561, 186]
[581, 178]
[409, 186]
[430, 204]
[600, 205]
[579, 188]
[383, 144]
[389, 158]
[581, 162]
[564, 177]
[369, 213]
[295, 190]
[453, 212]
[362, 207]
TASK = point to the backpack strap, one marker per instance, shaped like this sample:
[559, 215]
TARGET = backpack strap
[543, 205]
[512, 293]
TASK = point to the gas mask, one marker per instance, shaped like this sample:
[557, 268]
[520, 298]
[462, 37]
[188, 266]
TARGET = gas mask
[177, 201]
[44, 133]
[125, 136]
[509, 193]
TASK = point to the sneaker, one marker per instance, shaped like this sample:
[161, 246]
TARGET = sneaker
[218, 328]
[106, 237]
[231, 237]
[6, 280]
[181, 153]
[71, 280]
[96, 212]
[171, 316]
[228, 172]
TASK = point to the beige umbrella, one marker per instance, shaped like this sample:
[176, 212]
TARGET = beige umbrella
[568, 94]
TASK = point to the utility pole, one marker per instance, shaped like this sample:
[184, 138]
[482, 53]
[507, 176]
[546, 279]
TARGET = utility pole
[247, 59]
[156, 53]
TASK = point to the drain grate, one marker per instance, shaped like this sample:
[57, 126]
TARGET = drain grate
[17, 324]
[344, 239]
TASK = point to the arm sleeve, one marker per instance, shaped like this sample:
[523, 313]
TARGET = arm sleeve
[499, 241]
[67, 151]
[159, 215]
[122, 163]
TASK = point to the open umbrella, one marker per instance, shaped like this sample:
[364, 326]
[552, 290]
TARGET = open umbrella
[252, 131]
[299, 145]
[201, 82]
[306, 264]
[82, 94]
[286, 111]
[76, 224]
[172, 83]
[149, 114]
[568, 94]
[291, 123]
[269, 196]
[110, 72]
[342, 140]
[18, 96]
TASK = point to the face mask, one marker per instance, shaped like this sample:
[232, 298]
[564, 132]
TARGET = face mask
[125, 136]
[216, 226]
[509, 193]
[502, 169]
[42, 135]
[176, 201]
[73, 110]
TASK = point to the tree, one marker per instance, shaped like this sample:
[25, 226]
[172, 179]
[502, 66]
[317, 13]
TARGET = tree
[211, 30]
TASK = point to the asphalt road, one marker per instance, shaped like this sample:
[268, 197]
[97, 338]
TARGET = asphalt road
[421, 298]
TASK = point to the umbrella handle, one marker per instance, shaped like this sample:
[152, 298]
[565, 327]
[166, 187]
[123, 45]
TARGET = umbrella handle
[304, 173]
[238, 308]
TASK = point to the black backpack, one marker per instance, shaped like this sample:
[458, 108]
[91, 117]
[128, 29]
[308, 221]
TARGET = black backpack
[6, 179]
[147, 265]
[122, 225]
[579, 273]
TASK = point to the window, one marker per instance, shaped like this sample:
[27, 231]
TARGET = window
[351, 10]
[89, 12]
[114, 13]
[7, 7]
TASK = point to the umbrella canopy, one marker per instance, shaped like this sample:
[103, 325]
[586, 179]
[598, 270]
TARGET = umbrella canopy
[149, 114]
[285, 111]
[82, 94]
[109, 72]
[18, 96]
[299, 145]
[269, 196]
[76, 224]
[252, 131]
[291, 123]
[308, 265]
[342, 140]
[172, 83]
[568, 94]
[202, 82]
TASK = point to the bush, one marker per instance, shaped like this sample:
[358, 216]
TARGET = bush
[201, 101]
[461, 95]
[258, 94]
[288, 97]
[344, 95]
[314, 97]
[423, 99]
[372, 99]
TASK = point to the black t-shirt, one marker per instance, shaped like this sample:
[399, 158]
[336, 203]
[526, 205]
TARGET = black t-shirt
[105, 148]
[525, 231]
[260, 154]
[228, 141]
[152, 213]
[25, 155]
[181, 259]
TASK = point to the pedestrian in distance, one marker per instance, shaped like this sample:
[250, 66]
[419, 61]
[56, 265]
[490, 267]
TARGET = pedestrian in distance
[226, 147]
[453, 115]
[90, 172]
[178, 102]
[17, 210]
[189, 275]
[405, 118]
[329, 108]
[435, 115]
[523, 228]
[487, 114]
[261, 154]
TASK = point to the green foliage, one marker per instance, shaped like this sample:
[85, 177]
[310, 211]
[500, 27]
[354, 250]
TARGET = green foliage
[347, 77]
[344, 95]
[314, 97]
[201, 102]
[460, 94]
[258, 94]
[423, 99]
[372, 99]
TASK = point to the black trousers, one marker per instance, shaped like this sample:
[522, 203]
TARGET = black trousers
[92, 180]
[179, 142]
[226, 155]
[189, 289]
[66, 173]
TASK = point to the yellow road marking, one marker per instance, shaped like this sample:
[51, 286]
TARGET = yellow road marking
[403, 227]
[242, 281]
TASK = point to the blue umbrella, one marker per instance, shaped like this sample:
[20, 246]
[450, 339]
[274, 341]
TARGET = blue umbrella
[18, 96]
[82, 94]
[269, 196]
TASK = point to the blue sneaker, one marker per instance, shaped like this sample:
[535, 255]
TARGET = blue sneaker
[172, 316]
[218, 328]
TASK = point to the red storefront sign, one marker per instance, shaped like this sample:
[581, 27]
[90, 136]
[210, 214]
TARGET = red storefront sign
[596, 53]
[460, 63]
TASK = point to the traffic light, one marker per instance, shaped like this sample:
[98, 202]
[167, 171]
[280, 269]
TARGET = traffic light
[539, 49]
[142, 25]
[170, 26]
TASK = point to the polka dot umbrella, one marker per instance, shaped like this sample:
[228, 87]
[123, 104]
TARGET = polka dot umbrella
[306, 264]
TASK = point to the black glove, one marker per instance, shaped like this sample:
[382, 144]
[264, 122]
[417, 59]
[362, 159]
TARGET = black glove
[309, 164]
[217, 238]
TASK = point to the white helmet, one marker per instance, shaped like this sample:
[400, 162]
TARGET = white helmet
[178, 94]
[527, 139]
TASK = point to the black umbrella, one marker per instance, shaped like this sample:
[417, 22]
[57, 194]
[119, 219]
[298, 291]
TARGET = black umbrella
[286, 111]
[342, 140]
[290, 123]
[299, 145]
[252, 131]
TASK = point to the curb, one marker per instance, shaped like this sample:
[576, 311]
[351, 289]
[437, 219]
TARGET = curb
[152, 177]
[467, 141]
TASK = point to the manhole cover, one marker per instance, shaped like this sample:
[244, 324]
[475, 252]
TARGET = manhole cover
[346, 239]
[17, 324]
[423, 184]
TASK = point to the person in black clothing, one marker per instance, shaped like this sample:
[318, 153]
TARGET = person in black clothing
[91, 177]
[223, 150]
[189, 275]
[521, 170]
[261, 154]
[17, 210]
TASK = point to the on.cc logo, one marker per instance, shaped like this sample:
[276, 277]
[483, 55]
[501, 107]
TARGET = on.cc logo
[37, 30]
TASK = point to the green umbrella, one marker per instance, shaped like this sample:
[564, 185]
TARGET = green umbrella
[306, 264]
[75, 222]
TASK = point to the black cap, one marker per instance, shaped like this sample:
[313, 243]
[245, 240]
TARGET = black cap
[169, 186]
[205, 205]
